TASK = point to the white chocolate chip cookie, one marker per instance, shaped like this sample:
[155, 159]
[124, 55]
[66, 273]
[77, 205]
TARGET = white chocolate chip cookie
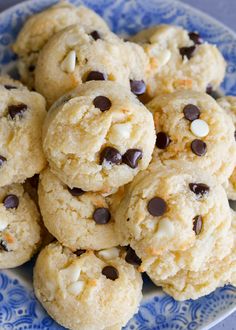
[74, 56]
[192, 285]
[174, 217]
[21, 119]
[98, 137]
[20, 232]
[78, 219]
[228, 103]
[40, 27]
[87, 291]
[191, 126]
[179, 60]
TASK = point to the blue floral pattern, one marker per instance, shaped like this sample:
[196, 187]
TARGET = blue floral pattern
[18, 307]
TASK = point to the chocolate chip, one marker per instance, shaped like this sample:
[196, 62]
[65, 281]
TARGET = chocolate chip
[209, 89]
[110, 155]
[195, 37]
[79, 252]
[3, 246]
[187, 51]
[162, 140]
[96, 75]
[102, 103]
[17, 110]
[11, 202]
[2, 160]
[212, 93]
[95, 35]
[9, 87]
[76, 191]
[197, 224]
[110, 272]
[157, 206]
[235, 135]
[31, 68]
[200, 189]
[199, 147]
[34, 181]
[138, 87]
[101, 215]
[132, 157]
[191, 112]
[132, 258]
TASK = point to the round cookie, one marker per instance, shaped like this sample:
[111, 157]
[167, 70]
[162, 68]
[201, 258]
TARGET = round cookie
[192, 285]
[179, 60]
[20, 232]
[40, 27]
[74, 56]
[78, 219]
[87, 290]
[95, 138]
[21, 119]
[191, 126]
[228, 103]
[159, 205]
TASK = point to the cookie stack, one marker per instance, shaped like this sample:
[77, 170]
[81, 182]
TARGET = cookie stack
[135, 159]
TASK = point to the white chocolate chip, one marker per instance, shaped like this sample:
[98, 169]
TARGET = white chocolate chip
[199, 128]
[76, 288]
[119, 132]
[3, 224]
[164, 57]
[68, 64]
[109, 253]
[165, 33]
[165, 228]
[71, 273]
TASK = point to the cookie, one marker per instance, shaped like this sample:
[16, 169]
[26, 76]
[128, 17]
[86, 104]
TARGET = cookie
[95, 138]
[73, 56]
[159, 205]
[191, 126]
[78, 219]
[87, 290]
[20, 232]
[22, 115]
[228, 103]
[39, 28]
[179, 60]
[192, 285]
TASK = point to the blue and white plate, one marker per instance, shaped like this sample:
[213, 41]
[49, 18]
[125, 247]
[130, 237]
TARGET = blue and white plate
[18, 307]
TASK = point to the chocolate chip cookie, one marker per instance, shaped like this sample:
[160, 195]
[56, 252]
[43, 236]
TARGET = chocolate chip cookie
[87, 290]
[98, 137]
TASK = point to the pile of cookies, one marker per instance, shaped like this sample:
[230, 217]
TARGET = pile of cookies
[136, 162]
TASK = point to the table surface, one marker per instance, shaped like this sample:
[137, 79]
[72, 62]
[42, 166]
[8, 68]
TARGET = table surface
[224, 11]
